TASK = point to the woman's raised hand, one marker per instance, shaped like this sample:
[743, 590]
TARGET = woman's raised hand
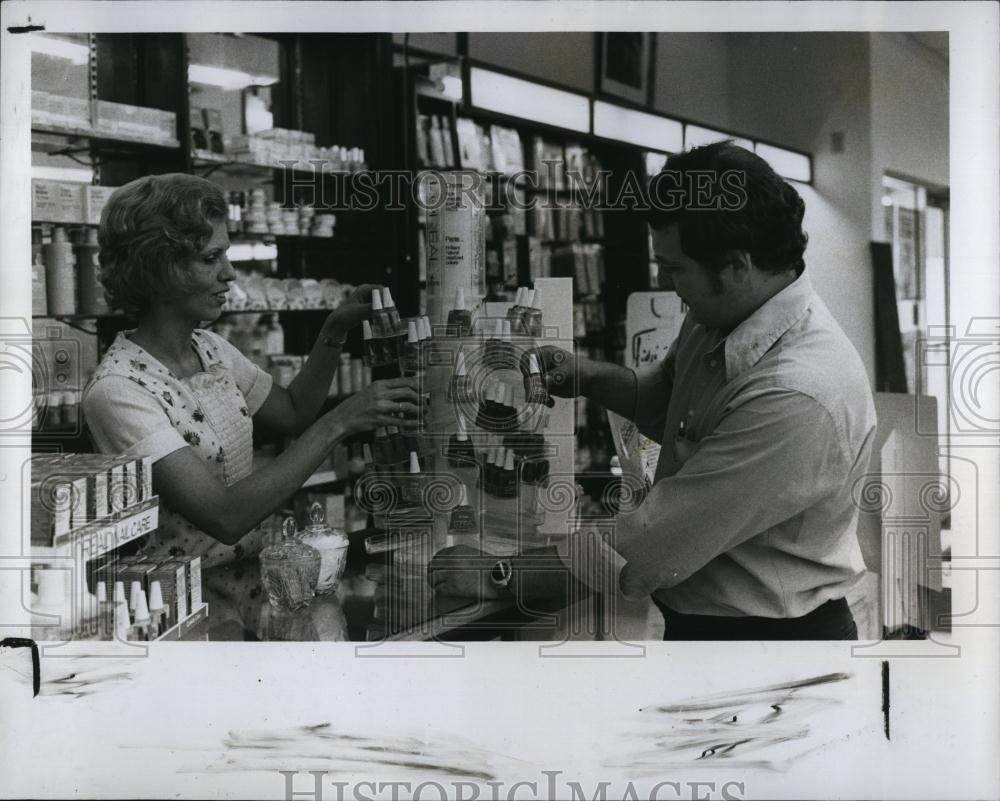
[390, 402]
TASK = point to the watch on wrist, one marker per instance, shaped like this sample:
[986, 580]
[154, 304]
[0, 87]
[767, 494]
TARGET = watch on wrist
[501, 573]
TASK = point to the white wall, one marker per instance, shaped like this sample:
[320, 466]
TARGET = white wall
[566, 58]
[798, 90]
[909, 112]
[691, 76]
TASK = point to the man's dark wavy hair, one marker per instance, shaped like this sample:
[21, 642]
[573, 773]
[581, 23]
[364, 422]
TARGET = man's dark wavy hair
[768, 225]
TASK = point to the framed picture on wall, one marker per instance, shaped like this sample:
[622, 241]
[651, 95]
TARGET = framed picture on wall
[625, 64]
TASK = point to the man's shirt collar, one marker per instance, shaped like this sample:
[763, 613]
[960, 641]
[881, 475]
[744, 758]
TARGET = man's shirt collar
[751, 339]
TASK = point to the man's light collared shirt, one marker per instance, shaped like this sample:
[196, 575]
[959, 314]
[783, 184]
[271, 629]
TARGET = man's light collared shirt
[765, 433]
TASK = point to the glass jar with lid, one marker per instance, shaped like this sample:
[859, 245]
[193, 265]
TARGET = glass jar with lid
[289, 570]
[332, 546]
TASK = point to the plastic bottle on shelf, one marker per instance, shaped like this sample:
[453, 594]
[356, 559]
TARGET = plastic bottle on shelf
[60, 278]
[140, 617]
[459, 318]
[91, 292]
[275, 337]
[39, 298]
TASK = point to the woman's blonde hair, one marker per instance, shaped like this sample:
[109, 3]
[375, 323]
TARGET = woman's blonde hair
[150, 229]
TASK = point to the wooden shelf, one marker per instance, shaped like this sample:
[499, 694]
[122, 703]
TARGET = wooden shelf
[94, 137]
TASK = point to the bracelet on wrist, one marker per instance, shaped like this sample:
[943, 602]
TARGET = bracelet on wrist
[332, 342]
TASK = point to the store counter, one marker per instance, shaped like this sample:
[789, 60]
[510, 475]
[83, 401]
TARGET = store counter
[377, 602]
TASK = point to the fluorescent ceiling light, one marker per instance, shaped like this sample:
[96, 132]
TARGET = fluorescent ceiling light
[226, 78]
[60, 48]
[503, 94]
[78, 175]
[451, 87]
[787, 163]
[696, 136]
[637, 127]
[655, 162]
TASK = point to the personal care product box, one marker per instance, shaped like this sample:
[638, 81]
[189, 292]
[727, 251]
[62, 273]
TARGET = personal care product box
[95, 198]
[56, 201]
[173, 584]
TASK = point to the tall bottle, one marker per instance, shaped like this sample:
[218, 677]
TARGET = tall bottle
[39, 294]
[91, 293]
[60, 278]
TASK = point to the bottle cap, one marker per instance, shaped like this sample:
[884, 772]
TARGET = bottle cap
[102, 592]
[460, 364]
[505, 330]
[141, 608]
[155, 597]
[414, 463]
[119, 592]
[509, 461]
[316, 516]
[133, 594]
[367, 451]
[412, 337]
[529, 299]
[463, 433]
[377, 300]
[59, 234]
[366, 328]
[460, 299]
[533, 364]
[387, 298]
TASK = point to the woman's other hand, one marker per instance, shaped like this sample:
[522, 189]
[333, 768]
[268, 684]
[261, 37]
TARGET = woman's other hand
[356, 307]
[392, 402]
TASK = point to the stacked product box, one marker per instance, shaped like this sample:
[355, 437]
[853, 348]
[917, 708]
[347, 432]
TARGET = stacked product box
[69, 491]
[66, 202]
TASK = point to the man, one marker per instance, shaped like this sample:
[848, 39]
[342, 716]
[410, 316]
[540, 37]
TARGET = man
[763, 411]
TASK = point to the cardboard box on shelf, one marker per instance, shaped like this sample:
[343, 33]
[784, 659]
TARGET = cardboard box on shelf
[95, 198]
[125, 119]
[56, 201]
[59, 110]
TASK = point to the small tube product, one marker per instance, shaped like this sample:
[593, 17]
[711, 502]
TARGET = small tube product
[409, 359]
[413, 484]
[390, 308]
[458, 390]
[532, 315]
[460, 451]
[507, 485]
[459, 318]
[381, 320]
[463, 517]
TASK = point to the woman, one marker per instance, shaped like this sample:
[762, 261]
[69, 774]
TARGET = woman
[187, 399]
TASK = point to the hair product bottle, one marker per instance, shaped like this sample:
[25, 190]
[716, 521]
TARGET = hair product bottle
[60, 279]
